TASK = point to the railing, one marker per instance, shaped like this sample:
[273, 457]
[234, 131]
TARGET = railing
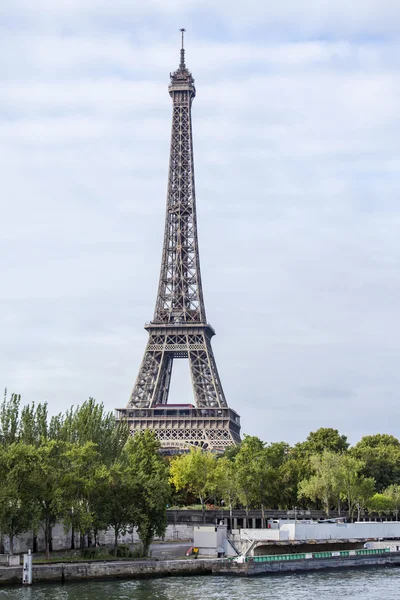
[177, 411]
[275, 557]
[373, 551]
[229, 537]
[250, 544]
[341, 553]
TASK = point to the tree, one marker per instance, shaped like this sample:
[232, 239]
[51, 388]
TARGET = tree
[79, 467]
[18, 469]
[152, 490]
[381, 504]
[230, 452]
[250, 463]
[337, 477]
[79, 488]
[324, 438]
[351, 481]
[226, 483]
[33, 424]
[91, 423]
[259, 472]
[9, 418]
[364, 491]
[116, 496]
[325, 483]
[381, 455]
[46, 490]
[195, 472]
[290, 475]
[316, 443]
[28, 425]
[281, 479]
[393, 492]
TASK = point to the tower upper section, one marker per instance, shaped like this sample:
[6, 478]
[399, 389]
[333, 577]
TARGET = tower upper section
[180, 295]
[182, 80]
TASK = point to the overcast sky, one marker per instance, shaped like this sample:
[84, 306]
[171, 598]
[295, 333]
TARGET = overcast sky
[297, 158]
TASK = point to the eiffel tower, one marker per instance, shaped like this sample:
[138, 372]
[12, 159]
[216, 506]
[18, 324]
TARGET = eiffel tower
[179, 328]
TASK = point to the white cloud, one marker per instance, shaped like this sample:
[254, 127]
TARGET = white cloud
[297, 163]
[282, 19]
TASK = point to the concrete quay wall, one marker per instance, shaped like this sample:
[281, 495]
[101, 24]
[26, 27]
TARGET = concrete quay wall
[82, 571]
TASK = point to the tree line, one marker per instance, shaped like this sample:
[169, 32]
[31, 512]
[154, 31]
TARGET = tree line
[323, 472]
[84, 469]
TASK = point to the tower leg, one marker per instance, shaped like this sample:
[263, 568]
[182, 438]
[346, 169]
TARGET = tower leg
[205, 379]
[153, 380]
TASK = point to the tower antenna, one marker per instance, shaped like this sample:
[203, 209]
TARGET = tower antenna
[182, 65]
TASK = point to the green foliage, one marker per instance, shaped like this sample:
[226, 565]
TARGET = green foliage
[261, 473]
[9, 419]
[393, 493]
[29, 424]
[324, 484]
[196, 472]
[226, 480]
[378, 440]
[364, 491]
[299, 466]
[337, 477]
[91, 552]
[248, 463]
[91, 423]
[33, 424]
[152, 492]
[80, 467]
[380, 504]
[47, 490]
[123, 551]
[18, 470]
[226, 483]
[84, 469]
[79, 487]
[351, 482]
[290, 474]
[231, 451]
[324, 438]
[115, 489]
[381, 456]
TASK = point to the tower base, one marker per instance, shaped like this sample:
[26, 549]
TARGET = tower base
[181, 426]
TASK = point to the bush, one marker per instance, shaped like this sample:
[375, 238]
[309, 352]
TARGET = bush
[123, 551]
[92, 552]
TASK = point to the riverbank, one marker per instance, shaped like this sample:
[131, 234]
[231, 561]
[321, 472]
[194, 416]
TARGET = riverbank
[365, 584]
[81, 571]
[142, 569]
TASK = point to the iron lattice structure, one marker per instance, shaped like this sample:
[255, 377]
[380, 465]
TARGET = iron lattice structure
[179, 328]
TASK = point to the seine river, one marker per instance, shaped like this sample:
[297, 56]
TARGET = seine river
[368, 584]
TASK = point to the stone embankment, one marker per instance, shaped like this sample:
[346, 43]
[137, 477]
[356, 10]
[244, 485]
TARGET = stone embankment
[83, 571]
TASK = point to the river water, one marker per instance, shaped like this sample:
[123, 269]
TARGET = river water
[368, 584]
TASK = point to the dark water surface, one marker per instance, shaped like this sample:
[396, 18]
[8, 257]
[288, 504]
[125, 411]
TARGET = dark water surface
[368, 584]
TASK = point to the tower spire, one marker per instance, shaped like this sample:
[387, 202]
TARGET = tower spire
[182, 65]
